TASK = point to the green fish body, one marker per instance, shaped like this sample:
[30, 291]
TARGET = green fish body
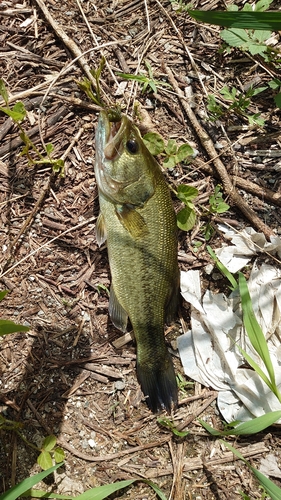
[138, 221]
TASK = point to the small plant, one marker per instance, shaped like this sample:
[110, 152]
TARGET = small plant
[251, 40]
[186, 217]
[149, 83]
[25, 488]
[275, 84]
[86, 85]
[166, 422]
[171, 152]
[239, 103]
[217, 205]
[182, 383]
[18, 114]
[50, 451]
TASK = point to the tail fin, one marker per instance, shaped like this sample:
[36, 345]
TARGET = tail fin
[159, 385]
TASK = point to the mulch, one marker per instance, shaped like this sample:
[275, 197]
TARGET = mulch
[72, 374]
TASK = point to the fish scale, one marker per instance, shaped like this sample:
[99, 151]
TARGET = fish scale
[142, 250]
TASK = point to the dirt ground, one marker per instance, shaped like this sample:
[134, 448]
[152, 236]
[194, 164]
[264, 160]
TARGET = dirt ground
[71, 375]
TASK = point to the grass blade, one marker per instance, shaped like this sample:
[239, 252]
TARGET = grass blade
[254, 330]
[18, 490]
[271, 488]
[253, 426]
[245, 20]
[222, 268]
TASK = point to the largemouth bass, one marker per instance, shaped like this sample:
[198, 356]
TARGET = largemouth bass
[138, 221]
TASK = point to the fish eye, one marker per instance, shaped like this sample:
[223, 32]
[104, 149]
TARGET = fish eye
[132, 146]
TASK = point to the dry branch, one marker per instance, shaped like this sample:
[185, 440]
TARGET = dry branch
[208, 145]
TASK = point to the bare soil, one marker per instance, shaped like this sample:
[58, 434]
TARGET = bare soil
[70, 375]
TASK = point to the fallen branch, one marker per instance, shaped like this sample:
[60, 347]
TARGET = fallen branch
[207, 144]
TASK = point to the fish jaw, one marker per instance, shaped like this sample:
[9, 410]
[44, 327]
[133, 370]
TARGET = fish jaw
[124, 177]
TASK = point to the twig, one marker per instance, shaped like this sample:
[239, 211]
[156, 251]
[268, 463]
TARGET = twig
[197, 412]
[112, 456]
[249, 186]
[207, 144]
[70, 44]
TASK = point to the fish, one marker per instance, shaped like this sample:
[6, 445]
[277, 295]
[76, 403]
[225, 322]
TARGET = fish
[138, 222]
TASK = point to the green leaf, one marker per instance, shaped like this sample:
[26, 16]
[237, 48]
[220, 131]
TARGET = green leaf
[166, 422]
[49, 148]
[277, 100]
[17, 491]
[253, 328]
[184, 151]
[3, 91]
[45, 460]
[170, 162]
[171, 147]
[59, 455]
[253, 426]
[101, 492]
[17, 113]
[245, 20]
[186, 193]
[49, 443]
[222, 268]
[271, 489]
[186, 219]
[7, 326]
[275, 83]
[154, 143]
[3, 294]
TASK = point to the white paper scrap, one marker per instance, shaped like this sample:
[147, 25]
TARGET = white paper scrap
[209, 352]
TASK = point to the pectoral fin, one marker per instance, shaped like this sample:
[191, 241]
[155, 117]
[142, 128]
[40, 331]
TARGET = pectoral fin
[100, 230]
[118, 315]
[132, 221]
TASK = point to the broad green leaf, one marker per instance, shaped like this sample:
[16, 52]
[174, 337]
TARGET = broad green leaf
[245, 20]
[7, 326]
[261, 5]
[17, 491]
[154, 143]
[45, 460]
[49, 148]
[170, 162]
[3, 91]
[17, 113]
[186, 193]
[171, 147]
[49, 443]
[275, 83]
[3, 294]
[222, 207]
[184, 151]
[59, 455]
[186, 218]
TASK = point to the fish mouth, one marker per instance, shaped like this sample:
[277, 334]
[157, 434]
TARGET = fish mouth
[114, 135]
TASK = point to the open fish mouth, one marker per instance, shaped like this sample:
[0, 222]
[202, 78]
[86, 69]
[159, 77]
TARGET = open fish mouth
[114, 135]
